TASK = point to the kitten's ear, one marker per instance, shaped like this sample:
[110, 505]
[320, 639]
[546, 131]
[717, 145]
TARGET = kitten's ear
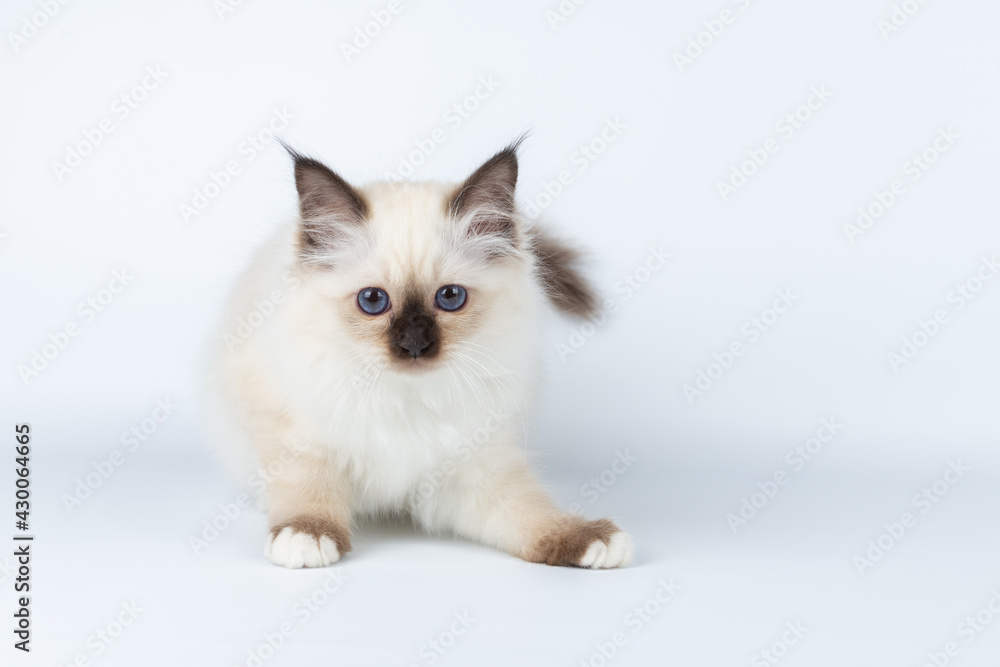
[327, 203]
[487, 197]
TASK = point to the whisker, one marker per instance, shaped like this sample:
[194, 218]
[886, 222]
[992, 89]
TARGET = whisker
[520, 405]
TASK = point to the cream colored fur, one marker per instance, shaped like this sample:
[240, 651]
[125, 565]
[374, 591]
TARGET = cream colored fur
[311, 407]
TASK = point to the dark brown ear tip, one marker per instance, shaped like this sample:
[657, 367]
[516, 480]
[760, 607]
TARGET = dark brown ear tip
[487, 197]
[509, 154]
[302, 163]
[514, 147]
[326, 204]
[292, 153]
[505, 158]
[305, 164]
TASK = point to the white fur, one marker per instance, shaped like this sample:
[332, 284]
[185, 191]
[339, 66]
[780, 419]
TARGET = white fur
[295, 550]
[617, 552]
[390, 428]
[305, 378]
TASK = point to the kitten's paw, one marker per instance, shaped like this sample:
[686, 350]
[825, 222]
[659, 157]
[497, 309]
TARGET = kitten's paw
[591, 544]
[305, 542]
[617, 552]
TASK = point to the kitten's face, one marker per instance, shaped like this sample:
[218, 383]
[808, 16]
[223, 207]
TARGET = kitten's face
[417, 273]
[418, 291]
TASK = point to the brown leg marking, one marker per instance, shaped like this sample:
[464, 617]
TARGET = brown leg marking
[340, 535]
[568, 541]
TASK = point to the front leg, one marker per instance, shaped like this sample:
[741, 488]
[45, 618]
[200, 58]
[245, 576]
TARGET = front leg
[309, 508]
[502, 504]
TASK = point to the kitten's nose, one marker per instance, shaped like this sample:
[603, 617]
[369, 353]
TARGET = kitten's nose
[417, 337]
[415, 349]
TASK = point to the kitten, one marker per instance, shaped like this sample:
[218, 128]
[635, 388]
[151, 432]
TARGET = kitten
[380, 355]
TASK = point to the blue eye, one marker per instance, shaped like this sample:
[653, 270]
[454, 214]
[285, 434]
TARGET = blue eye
[373, 300]
[451, 297]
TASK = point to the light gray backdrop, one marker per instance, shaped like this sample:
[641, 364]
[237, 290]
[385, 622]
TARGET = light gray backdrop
[791, 212]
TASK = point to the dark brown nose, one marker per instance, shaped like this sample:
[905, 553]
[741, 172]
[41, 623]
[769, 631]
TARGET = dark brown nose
[418, 336]
[413, 332]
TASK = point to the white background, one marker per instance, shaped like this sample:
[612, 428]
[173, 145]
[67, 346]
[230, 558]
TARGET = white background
[687, 127]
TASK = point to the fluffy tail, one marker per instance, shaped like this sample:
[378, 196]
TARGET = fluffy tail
[557, 266]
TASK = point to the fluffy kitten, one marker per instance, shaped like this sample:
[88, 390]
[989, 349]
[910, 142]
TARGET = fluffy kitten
[380, 355]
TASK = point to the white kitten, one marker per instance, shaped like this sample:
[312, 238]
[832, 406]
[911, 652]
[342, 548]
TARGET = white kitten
[380, 354]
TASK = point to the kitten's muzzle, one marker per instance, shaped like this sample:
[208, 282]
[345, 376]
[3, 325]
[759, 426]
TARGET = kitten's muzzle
[414, 333]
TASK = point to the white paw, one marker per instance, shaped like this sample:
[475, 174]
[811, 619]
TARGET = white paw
[617, 552]
[294, 549]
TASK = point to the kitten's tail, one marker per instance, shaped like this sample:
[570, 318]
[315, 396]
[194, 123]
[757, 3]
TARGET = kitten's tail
[557, 265]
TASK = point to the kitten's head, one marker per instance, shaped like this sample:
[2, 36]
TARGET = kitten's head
[414, 274]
